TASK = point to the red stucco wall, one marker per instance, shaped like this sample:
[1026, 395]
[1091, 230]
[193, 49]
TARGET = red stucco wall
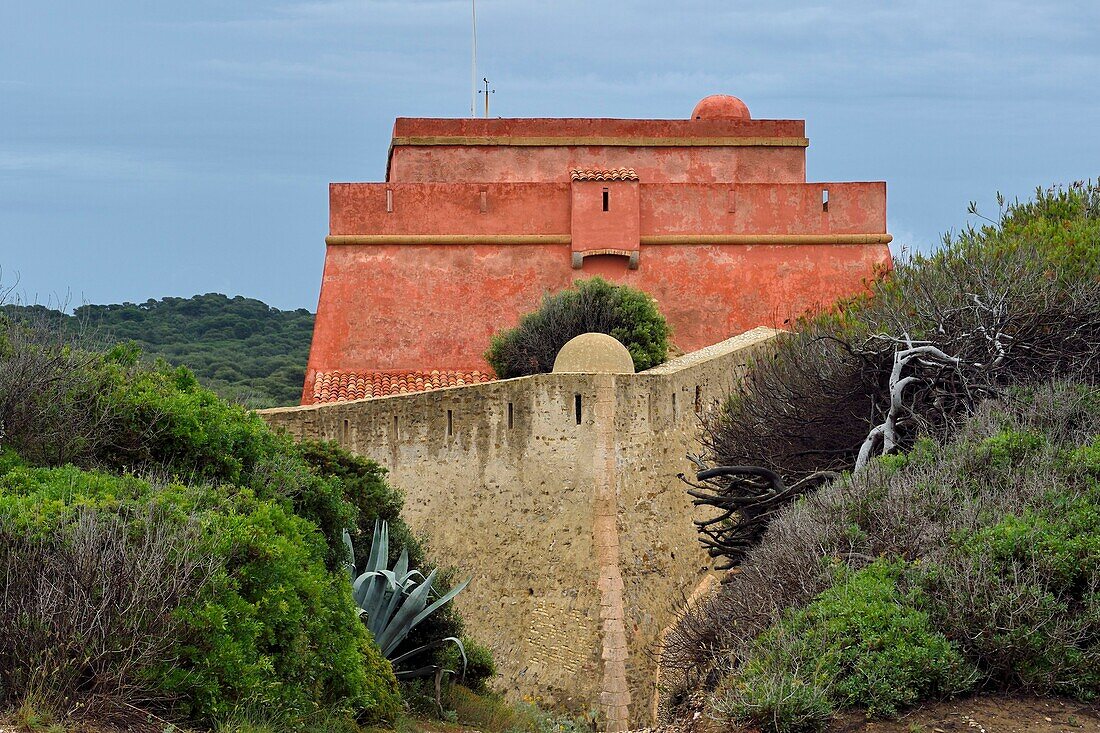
[411, 307]
[546, 208]
[583, 143]
[593, 228]
[672, 165]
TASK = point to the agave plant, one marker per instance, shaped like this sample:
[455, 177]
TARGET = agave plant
[394, 601]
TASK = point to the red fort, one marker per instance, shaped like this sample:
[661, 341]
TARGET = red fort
[478, 218]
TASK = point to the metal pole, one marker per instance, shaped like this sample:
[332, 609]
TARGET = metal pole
[473, 58]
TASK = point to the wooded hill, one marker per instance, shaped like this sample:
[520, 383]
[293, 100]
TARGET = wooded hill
[241, 348]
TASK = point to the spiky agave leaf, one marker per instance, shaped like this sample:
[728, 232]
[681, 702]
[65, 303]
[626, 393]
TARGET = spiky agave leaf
[440, 602]
[431, 668]
[398, 627]
[349, 563]
[394, 602]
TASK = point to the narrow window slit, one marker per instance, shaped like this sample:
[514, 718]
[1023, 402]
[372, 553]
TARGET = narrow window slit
[395, 427]
[606, 200]
[389, 200]
[698, 399]
[450, 423]
[577, 407]
[511, 416]
[346, 431]
[825, 199]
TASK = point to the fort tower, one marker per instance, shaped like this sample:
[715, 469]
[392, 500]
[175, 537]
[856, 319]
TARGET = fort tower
[478, 218]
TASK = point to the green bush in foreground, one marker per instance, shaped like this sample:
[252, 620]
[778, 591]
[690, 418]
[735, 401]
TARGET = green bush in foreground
[109, 411]
[1022, 596]
[595, 305]
[987, 540]
[270, 634]
[861, 643]
[271, 627]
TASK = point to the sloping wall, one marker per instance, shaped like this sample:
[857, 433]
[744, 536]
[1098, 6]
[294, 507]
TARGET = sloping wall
[558, 494]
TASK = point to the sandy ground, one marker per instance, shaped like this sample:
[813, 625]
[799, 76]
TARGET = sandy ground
[985, 714]
[981, 714]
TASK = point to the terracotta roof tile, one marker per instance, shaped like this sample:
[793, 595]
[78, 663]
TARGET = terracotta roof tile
[339, 386]
[603, 174]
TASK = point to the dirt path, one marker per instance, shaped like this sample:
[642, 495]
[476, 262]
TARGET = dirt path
[986, 714]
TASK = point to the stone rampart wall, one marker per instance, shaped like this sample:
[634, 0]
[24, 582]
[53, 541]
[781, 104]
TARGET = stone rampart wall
[558, 494]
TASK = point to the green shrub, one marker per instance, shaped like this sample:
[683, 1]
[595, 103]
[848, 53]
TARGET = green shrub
[998, 526]
[158, 418]
[1061, 540]
[1022, 596]
[1086, 458]
[363, 485]
[1063, 221]
[593, 305]
[1020, 635]
[272, 627]
[775, 700]
[1009, 446]
[63, 638]
[480, 666]
[862, 643]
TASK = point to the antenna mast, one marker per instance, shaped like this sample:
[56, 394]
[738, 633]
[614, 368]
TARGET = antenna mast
[473, 58]
[487, 92]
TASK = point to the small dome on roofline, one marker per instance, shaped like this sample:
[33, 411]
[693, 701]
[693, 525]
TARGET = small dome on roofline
[594, 353]
[720, 107]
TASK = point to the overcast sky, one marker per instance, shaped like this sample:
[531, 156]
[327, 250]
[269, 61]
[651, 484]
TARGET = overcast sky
[172, 148]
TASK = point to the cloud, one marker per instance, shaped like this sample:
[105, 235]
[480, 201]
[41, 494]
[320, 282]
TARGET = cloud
[327, 68]
[87, 163]
[908, 241]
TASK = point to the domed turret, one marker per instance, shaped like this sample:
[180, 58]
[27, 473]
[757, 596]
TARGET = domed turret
[594, 353]
[720, 107]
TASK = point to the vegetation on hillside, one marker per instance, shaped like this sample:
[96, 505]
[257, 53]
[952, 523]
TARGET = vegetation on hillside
[593, 305]
[163, 549]
[1011, 303]
[242, 349]
[910, 488]
[966, 565]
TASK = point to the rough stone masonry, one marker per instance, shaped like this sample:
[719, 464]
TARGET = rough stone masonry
[558, 494]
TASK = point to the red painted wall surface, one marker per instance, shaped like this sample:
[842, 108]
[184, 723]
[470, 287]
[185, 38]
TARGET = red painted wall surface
[591, 227]
[672, 165]
[581, 148]
[498, 198]
[449, 208]
[546, 208]
[433, 306]
[572, 127]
